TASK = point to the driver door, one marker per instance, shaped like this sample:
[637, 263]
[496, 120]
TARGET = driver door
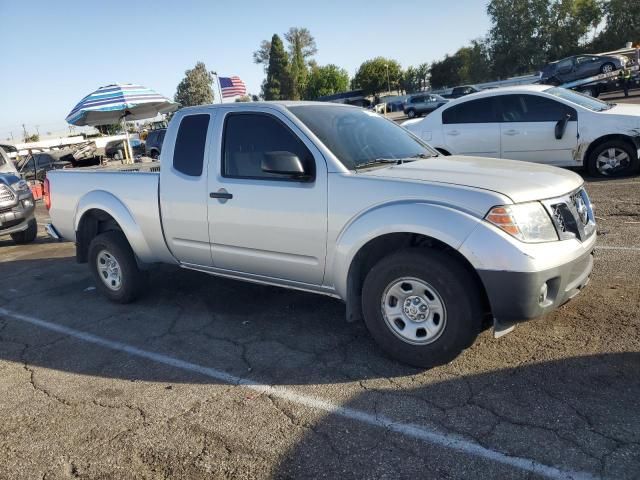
[527, 130]
[267, 224]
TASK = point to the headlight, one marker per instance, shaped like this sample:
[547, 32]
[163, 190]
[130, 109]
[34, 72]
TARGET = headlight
[20, 187]
[528, 222]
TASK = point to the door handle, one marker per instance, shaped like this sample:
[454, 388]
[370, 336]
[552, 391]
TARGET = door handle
[221, 194]
[453, 133]
[511, 133]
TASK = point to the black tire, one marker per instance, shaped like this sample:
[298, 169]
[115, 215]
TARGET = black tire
[607, 68]
[28, 235]
[155, 154]
[453, 283]
[411, 113]
[132, 279]
[630, 167]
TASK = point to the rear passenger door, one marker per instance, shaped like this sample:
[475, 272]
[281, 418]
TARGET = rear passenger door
[528, 125]
[183, 189]
[471, 128]
[270, 225]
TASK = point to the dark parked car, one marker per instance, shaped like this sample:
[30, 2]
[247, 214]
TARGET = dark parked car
[580, 66]
[16, 209]
[461, 91]
[154, 143]
[36, 165]
[422, 104]
[115, 148]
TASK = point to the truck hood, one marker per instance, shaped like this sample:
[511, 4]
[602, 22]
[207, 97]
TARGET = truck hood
[520, 181]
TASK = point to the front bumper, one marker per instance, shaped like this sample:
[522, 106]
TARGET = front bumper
[517, 296]
[16, 219]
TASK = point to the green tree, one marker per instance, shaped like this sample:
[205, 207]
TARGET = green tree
[376, 74]
[517, 37]
[446, 72]
[475, 64]
[569, 24]
[423, 75]
[112, 129]
[622, 20]
[277, 86]
[32, 138]
[410, 81]
[325, 80]
[261, 56]
[195, 87]
[302, 46]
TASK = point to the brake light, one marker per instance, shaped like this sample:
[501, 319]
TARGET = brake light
[47, 194]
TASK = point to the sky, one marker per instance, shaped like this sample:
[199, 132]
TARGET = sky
[56, 52]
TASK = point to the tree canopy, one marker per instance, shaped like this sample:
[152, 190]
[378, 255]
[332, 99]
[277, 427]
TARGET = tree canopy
[195, 87]
[326, 80]
[378, 75]
[277, 85]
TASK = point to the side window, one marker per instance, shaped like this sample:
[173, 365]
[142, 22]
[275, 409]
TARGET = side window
[565, 65]
[248, 137]
[534, 108]
[474, 111]
[188, 155]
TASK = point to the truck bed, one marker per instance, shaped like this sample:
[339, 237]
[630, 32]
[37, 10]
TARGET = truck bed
[123, 191]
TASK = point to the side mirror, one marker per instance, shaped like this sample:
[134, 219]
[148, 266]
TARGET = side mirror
[283, 163]
[561, 126]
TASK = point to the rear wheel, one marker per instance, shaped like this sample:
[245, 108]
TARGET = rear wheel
[411, 113]
[114, 267]
[28, 235]
[422, 307]
[612, 159]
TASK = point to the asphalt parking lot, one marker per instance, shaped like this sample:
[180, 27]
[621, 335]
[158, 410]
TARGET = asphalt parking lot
[211, 378]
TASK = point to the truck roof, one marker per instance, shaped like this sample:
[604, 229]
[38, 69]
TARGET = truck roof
[275, 103]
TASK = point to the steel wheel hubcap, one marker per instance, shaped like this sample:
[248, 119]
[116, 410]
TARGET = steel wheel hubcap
[612, 160]
[607, 68]
[109, 270]
[414, 311]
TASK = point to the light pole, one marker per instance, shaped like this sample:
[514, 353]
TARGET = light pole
[388, 82]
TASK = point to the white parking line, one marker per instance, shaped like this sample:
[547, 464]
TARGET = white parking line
[607, 247]
[424, 434]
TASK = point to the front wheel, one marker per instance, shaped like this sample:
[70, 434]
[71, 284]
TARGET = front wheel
[612, 159]
[28, 235]
[114, 267]
[411, 114]
[607, 68]
[422, 307]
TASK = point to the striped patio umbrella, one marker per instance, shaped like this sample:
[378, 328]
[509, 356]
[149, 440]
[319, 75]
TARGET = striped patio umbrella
[113, 103]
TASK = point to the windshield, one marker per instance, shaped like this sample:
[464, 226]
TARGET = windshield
[591, 103]
[358, 137]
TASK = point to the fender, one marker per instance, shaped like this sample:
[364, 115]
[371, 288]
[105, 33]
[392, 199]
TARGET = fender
[407, 216]
[107, 202]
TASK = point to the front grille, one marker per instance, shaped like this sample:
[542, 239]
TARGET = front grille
[572, 215]
[7, 197]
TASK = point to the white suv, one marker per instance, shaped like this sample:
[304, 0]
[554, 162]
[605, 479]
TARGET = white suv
[537, 123]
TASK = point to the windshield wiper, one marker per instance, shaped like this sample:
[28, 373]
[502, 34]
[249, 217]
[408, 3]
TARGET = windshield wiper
[379, 161]
[392, 161]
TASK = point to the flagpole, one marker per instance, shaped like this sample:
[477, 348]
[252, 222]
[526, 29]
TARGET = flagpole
[219, 87]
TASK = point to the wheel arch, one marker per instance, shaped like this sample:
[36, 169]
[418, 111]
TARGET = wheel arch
[100, 211]
[380, 247]
[628, 139]
[385, 229]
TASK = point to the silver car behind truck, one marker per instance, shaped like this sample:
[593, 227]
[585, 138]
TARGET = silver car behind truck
[336, 200]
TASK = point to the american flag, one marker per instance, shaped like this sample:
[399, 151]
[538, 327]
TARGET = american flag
[232, 86]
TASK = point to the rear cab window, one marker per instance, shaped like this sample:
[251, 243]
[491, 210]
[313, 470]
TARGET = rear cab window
[191, 140]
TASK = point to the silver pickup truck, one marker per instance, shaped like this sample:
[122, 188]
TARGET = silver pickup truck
[336, 200]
